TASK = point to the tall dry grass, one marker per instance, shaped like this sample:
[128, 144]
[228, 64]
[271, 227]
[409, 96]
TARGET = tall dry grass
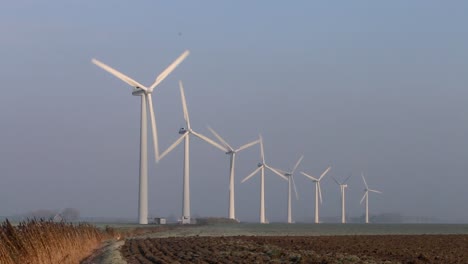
[41, 242]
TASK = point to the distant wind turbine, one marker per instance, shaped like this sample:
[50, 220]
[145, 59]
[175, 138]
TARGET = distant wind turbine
[290, 177]
[232, 153]
[185, 134]
[146, 101]
[343, 187]
[318, 191]
[261, 167]
[366, 195]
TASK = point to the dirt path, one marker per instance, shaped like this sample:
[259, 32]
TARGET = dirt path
[109, 253]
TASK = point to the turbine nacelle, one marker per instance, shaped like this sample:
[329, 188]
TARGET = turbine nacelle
[139, 92]
[183, 130]
[259, 164]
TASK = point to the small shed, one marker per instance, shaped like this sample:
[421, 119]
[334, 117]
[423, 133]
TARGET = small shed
[160, 220]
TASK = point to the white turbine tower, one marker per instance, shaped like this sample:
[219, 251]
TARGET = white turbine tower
[261, 167]
[318, 191]
[146, 101]
[185, 135]
[291, 183]
[366, 195]
[343, 187]
[232, 153]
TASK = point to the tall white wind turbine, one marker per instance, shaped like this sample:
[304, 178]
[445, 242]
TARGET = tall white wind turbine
[232, 153]
[366, 195]
[291, 184]
[185, 135]
[318, 191]
[146, 101]
[343, 187]
[261, 167]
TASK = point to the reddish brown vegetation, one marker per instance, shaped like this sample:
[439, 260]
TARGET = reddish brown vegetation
[320, 249]
[46, 242]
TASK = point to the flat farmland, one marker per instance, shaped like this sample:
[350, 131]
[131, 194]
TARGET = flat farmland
[299, 249]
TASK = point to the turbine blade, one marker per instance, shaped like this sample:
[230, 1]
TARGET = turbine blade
[370, 190]
[169, 149]
[154, 129]
[276, 172]
[251, 174]
[119, 75]
[347, 178]
[308, 176]
[228, 147]
[320, 191]
[262, 153]
[248, 145]
[169, 69]
[363, 197]
[281, 171]
[297, 164]
[184, 105]
[324, 173]
[365, 183]
[209, 141]
[335, 180]
[294, 187]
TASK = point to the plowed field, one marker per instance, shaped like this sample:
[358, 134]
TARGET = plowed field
[296, 249]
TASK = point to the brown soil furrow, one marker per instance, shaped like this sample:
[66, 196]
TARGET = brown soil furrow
[319, 249]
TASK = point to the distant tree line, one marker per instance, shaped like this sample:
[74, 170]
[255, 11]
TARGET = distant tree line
[68, 214]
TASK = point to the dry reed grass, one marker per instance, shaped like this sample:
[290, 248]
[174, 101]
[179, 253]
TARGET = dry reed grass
[41, 242]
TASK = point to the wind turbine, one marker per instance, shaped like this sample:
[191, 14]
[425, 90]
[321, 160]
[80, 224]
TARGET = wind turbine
[185, 135]
[146, 101]
[232, 153]
[261, 167]
[366, 195]
[343, 187]
[318, 191]
[290, 177]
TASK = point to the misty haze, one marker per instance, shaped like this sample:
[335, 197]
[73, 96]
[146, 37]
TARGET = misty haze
[367, 88]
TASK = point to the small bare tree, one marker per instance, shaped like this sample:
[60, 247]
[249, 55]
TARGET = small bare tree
[42, 214]
[70, 214]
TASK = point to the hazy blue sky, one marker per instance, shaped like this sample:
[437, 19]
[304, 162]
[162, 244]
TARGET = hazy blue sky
[373, 86]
